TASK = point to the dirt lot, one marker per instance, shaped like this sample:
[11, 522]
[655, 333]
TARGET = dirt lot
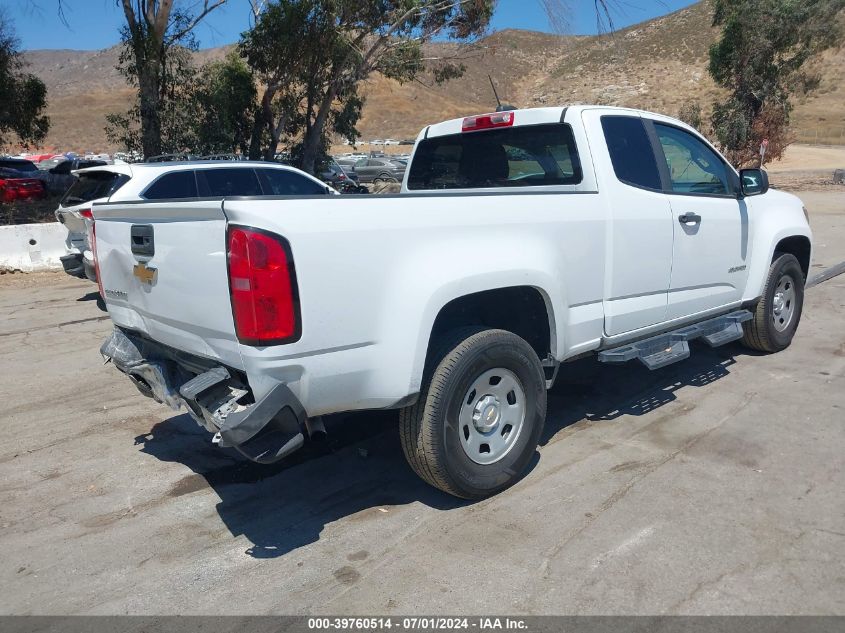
[806, 168]
[712, 486]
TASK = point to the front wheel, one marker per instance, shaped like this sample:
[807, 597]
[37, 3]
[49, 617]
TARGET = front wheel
[779, 310]
[479, 417]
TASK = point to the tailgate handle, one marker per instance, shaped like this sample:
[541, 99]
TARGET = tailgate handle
[143, 242]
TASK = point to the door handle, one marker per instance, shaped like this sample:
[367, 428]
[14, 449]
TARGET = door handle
[689, 218]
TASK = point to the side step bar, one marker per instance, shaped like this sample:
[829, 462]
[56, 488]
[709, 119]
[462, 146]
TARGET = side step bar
[671, 347]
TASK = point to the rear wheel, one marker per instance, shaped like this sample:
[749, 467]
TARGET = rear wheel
[779, 310]
[479, 416]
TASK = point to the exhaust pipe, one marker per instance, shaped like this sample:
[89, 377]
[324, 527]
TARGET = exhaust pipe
[141, 383]
[316, 429]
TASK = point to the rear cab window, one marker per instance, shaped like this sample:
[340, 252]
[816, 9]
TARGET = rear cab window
[522, 156]
[93, 186]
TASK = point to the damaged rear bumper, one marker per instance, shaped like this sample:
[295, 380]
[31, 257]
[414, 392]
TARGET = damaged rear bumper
[216, 396]
[73, 265]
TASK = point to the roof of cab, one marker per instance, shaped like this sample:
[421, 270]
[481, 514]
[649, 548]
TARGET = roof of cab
[530, 116]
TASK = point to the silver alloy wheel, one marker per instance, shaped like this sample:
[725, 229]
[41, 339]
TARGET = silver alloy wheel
[783, 303]
[492, 416]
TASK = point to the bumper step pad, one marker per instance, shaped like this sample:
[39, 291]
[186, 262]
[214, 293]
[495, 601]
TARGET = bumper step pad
[194, 387]
[662, 350]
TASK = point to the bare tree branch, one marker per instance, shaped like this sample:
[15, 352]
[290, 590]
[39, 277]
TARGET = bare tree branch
[208, 7]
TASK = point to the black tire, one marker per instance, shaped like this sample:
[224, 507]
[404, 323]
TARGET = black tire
[761, 332]
[429, 430]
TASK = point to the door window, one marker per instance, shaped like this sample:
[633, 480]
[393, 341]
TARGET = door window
[281, 182]
[693, 166]
[232, 181]
[630, 151]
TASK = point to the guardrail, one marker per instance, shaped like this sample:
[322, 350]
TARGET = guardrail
[32, 247]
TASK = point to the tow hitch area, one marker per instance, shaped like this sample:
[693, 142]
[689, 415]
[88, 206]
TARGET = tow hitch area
[264, 431]
[671, 347]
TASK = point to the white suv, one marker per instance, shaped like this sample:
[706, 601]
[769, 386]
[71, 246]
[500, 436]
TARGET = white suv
[94, 184]
[167, 181]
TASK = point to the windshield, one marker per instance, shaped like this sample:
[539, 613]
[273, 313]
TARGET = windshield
[531, 155]
[92, 186]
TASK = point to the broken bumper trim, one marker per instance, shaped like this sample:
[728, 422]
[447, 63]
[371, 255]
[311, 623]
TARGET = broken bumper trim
[264, 431]
[73, 265]
[270, 429]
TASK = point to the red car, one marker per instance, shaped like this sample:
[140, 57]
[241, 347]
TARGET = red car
[12, 189]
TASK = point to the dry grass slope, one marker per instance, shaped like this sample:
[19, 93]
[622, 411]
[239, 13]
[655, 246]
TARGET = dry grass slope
[656, 65]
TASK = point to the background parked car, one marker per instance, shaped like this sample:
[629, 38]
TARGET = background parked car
[26, 168]
[54, 161]
[344, 180]
[59, 178]
[14, 187]
[64, 168]
[379, 170]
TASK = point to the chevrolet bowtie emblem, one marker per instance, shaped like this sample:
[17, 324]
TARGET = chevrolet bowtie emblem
[145, 274]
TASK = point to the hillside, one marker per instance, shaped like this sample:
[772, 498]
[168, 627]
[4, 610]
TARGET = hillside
[656, 65]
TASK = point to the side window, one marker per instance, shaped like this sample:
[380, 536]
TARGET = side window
[177, 184]
[224, 182]
[693, 166]
[630, 151]
[281, 182]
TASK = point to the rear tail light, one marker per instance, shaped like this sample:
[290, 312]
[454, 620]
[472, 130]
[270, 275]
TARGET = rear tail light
[96, 260]
[89, 228]
[262, 284]
[487, 121]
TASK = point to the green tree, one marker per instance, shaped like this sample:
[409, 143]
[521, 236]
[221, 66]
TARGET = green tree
[760, 57]
[177, 110]
[280, 48]
[690, 113]
[313, 54]
[225, 99]
[153, 30]
[23, 96]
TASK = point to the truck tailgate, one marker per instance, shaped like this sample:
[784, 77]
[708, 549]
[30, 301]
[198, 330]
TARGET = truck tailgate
[164, 274]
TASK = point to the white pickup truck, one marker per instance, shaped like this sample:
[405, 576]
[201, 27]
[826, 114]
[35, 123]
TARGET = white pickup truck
[520, 240]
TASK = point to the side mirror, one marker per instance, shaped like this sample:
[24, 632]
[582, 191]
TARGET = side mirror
[754, 182]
